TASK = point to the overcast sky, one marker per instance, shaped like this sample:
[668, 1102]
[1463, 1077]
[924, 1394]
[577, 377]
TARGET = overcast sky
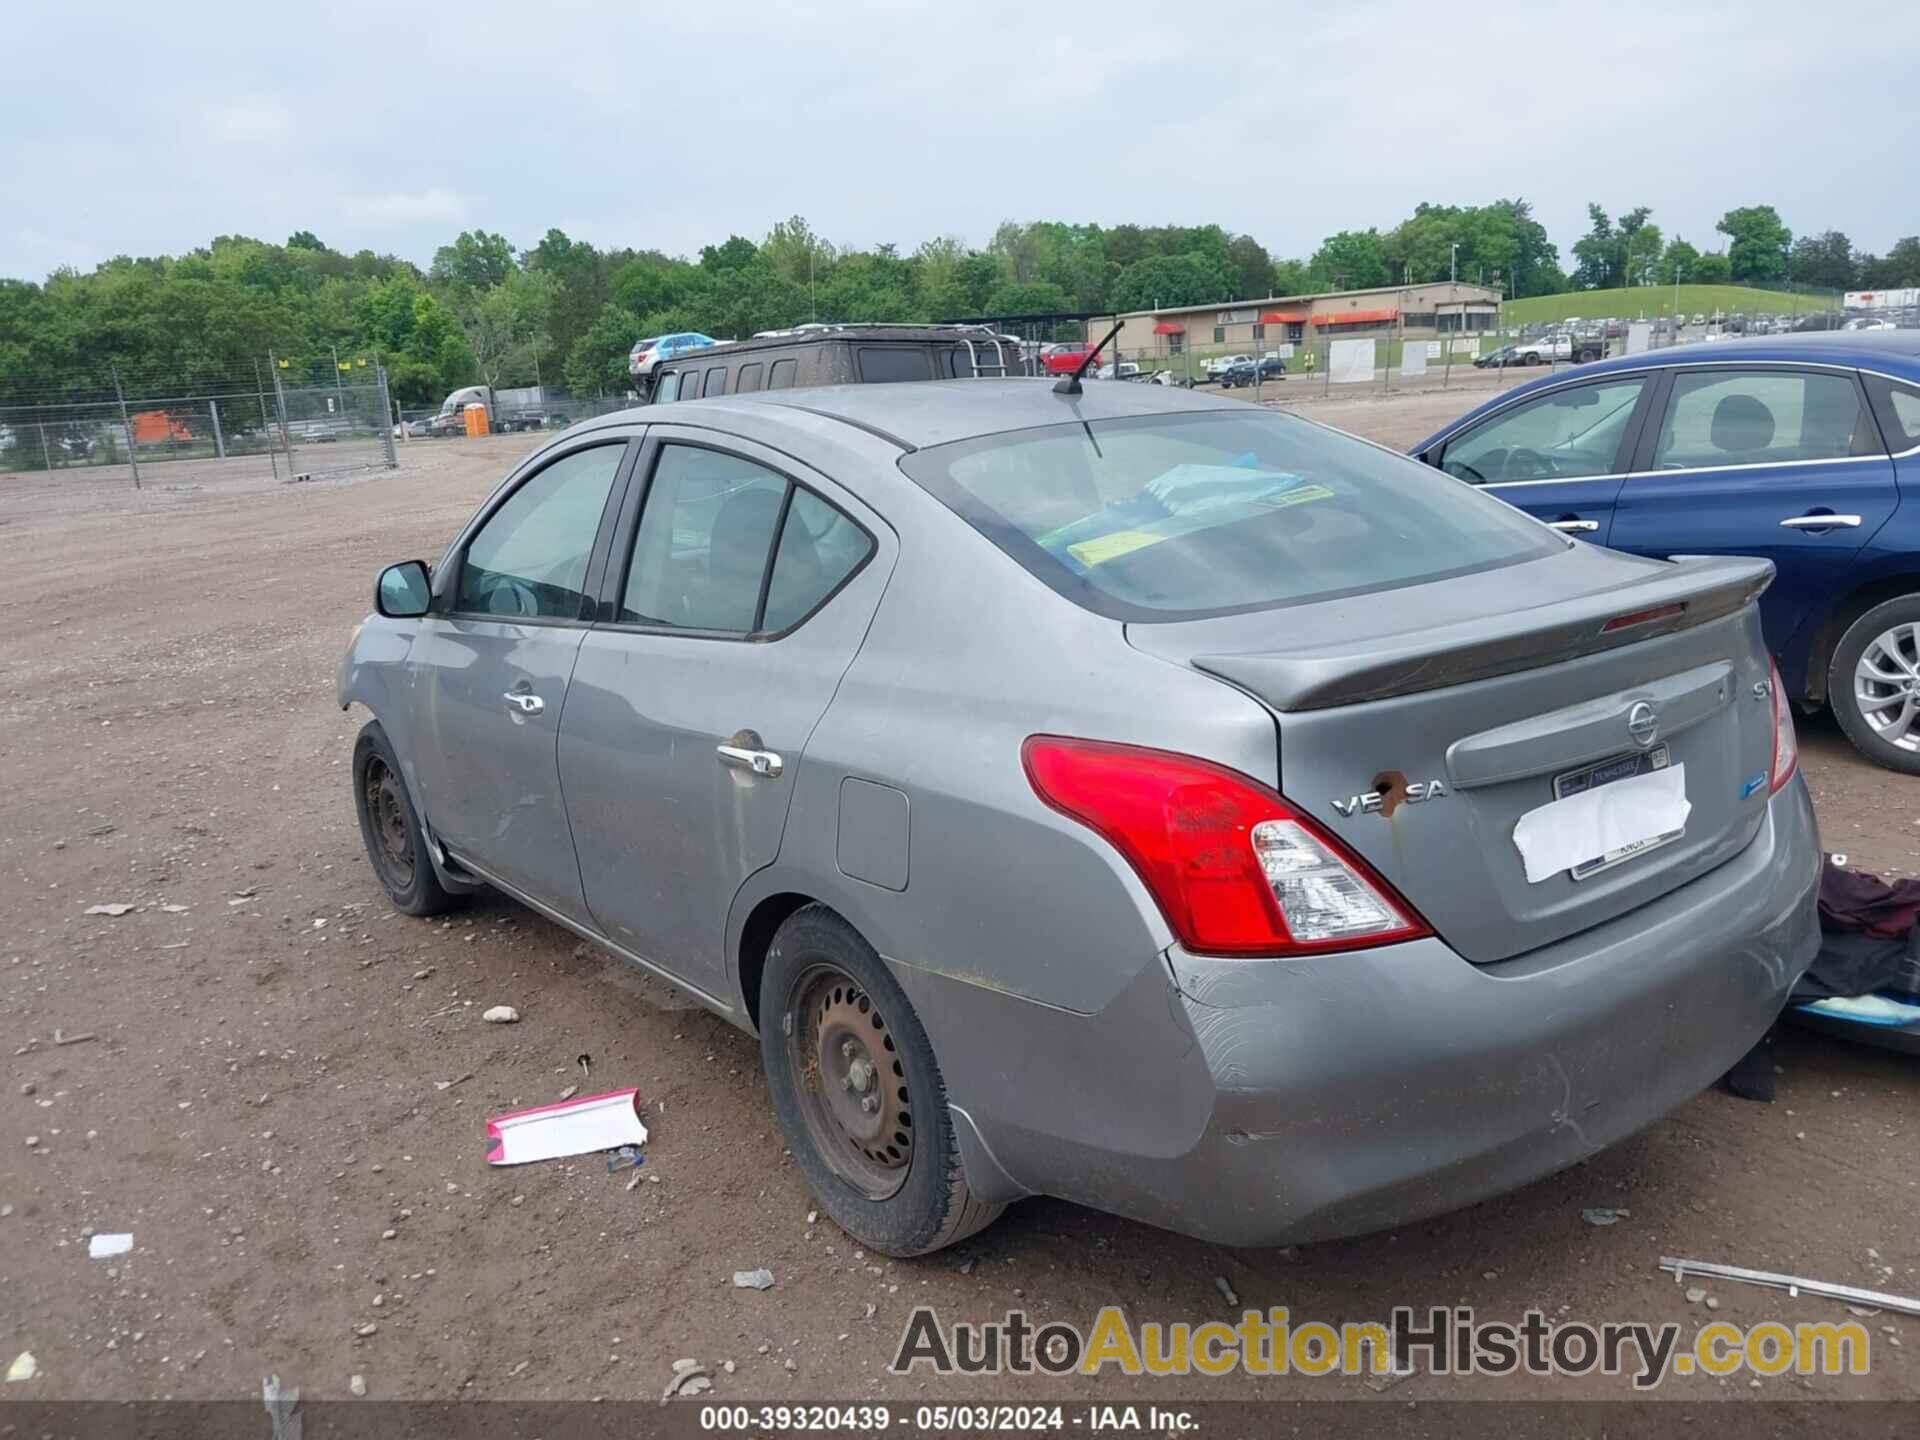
[131, 129]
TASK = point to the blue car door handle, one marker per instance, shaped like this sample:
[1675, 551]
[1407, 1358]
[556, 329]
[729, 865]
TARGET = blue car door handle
[1819, 522]
[1575, 527]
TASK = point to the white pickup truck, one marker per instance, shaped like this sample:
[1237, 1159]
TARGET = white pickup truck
[1553, 349]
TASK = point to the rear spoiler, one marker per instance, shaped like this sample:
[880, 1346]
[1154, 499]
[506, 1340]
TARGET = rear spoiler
[1694, 590]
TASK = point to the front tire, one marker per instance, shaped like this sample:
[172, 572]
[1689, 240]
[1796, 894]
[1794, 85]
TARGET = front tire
[389, 828]
[858, 1092]
[1873, 684]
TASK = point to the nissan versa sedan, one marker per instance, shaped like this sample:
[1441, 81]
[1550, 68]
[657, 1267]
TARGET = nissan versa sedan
[1131, 796]
[1803, 449]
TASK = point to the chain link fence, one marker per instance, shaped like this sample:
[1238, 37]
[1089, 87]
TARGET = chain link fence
[296, 420]
[530, 408]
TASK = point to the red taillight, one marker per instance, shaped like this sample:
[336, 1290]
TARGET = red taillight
[1234, 868]
[1786, 744]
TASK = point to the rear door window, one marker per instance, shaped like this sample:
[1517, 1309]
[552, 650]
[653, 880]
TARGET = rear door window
[1899, 408]
[716, 381]
[748, 379]
[781, 376]
[1717, 418]
[1167, 517]
[704, 540]
[707, 538]
[666, 388]
[819, 548]
[1565, 434]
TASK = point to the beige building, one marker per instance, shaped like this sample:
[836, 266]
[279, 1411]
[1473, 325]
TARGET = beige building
[1425, 312]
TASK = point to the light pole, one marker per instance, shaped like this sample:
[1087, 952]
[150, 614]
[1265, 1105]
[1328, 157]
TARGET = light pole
[1453, 263]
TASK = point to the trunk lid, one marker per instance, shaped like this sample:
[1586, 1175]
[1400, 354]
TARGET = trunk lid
[1419, 725]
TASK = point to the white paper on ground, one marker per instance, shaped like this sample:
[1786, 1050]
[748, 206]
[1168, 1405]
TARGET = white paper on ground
[1584, 827]
[573, 1127]
[105, 1247]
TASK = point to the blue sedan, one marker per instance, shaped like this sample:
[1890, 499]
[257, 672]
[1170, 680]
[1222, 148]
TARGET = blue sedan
[1797, 448]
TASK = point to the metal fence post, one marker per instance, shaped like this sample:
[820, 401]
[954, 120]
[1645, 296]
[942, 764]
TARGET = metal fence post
[265, 424]
[386, 414]
[132, 458]
[45, 449]
[219, 440]
[280, 404]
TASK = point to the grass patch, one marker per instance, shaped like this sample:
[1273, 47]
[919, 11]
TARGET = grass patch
[1652, 301]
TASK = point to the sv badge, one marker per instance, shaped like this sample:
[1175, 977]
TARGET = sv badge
[1387, 797]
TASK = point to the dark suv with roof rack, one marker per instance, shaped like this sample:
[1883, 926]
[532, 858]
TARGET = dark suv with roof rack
[838, 355]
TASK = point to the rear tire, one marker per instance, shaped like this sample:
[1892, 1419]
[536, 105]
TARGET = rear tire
[858, 1092]
[389, 828]
[1873, 684]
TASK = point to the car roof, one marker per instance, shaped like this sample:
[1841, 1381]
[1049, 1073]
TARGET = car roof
[920, 413]
[1896, 350]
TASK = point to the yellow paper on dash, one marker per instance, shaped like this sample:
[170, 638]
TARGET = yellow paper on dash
[1111, 547]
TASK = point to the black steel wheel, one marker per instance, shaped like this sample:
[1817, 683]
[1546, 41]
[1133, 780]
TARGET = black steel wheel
[858, 1091]
[391, 831]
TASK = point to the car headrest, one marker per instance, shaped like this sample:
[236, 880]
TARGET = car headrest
[1742, 424]
[742, 531]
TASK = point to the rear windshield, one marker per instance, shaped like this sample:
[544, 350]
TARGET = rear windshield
[1174, 517]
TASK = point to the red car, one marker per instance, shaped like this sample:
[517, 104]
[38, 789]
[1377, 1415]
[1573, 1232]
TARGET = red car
[1064, 359]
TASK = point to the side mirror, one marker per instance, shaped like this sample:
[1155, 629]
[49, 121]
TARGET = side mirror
[404, 591]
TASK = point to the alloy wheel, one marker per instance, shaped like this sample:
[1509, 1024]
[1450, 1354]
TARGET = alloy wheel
[1886, 686]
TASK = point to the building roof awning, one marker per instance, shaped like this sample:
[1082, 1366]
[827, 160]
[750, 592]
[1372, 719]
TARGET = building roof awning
[1167, 327]
[1357, 317]
[1285, 317]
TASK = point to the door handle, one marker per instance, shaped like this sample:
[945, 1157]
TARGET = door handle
[526, 704]
[760, 762]
[1819, 522]
[1576, 527]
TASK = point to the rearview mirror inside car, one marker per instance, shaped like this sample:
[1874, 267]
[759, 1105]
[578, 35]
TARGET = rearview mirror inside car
[403, 590]
[1580, 399]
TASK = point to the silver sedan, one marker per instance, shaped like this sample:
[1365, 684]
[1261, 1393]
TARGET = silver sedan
[1137, 797]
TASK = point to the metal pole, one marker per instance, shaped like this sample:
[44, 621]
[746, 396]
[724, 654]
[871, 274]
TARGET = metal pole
[265, 424]
[386, 408]
[46, 449]
[127, 425]
[219, 440]
[337, 388]
[280, 402]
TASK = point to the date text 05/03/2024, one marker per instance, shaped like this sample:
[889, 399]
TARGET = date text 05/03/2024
[937, 1419]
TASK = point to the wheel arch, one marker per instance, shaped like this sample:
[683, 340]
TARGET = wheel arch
[756, 937]
[1856, 603]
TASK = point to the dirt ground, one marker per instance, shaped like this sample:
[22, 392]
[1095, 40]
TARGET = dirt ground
[284, 1095]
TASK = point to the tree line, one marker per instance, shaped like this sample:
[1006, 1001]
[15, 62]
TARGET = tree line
[565, 311]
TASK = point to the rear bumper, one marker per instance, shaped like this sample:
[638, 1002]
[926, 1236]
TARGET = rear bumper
[1266, 1102]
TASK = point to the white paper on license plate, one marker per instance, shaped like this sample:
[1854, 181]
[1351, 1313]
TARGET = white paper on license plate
[1570, 832]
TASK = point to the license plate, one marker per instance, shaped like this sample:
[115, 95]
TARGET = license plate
[1592, 777]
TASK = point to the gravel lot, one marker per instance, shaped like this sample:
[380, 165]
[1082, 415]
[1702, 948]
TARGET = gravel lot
[284, 1098]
